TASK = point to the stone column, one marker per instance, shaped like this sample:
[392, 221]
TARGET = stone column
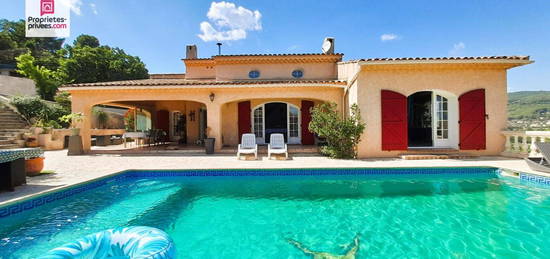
[214, 123]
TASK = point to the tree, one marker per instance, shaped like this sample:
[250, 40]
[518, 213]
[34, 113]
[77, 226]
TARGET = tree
[46, 81]
[342, 135]
[86, 40]
[85, 64]
[14, 43]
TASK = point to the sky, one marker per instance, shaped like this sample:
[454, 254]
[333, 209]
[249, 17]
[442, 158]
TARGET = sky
[158, 30]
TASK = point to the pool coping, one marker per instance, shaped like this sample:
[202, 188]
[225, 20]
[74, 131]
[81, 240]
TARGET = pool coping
[31, 201]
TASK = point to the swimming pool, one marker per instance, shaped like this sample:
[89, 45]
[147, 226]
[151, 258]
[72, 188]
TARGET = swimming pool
[397, 213]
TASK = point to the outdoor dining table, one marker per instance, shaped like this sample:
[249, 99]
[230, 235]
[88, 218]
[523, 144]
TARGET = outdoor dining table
[12, 166]
[134, 135]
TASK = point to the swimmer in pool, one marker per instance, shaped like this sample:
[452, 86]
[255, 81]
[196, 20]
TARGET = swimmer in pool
[323, 255]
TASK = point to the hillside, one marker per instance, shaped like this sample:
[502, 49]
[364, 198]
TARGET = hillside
[529, 110]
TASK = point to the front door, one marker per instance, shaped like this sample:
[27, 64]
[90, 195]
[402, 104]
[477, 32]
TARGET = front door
[276, 117]
[275, 120]
[420, 119]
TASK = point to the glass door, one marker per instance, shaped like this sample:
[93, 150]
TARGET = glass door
[293, 125]
[258, 124]
[441, 121]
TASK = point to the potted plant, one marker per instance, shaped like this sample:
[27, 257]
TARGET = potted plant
[73, 119]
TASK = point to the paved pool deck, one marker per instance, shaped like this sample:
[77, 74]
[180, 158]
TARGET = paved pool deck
[71, 170]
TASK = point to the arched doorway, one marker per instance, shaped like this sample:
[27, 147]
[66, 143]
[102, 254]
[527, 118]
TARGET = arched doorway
[432, 119]
[276, 117]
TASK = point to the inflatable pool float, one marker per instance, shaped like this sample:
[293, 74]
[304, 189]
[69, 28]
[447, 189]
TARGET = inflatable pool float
[123, 242]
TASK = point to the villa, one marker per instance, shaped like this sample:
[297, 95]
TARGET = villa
[445, 103]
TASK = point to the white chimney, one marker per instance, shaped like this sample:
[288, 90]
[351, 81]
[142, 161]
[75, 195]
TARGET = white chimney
[191, 52]
[328, 46]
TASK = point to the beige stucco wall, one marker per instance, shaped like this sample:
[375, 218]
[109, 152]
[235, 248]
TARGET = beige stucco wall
[184, 107]
[83, 100]
[276, 71]
[200, 72]
[230, 117]
[456, 80]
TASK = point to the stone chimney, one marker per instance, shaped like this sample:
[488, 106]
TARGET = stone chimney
[191, 52]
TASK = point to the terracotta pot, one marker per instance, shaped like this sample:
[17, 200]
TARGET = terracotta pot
[34, 166]
[31, 143]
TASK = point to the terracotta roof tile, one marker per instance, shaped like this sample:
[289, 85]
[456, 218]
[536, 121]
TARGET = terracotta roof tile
[184, 82]
[279, 55]
[523, 58]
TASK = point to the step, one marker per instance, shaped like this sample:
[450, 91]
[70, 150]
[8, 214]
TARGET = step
[436, 156]
[433, 150]
[5, 142]
[9, 146]
[10, 119]
[13, 130]
[9, 115]
[12, 125]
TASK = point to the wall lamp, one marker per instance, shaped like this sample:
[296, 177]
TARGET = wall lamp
[212, 95]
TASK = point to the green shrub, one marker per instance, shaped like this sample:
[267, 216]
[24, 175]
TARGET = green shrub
[342, 135]
[63, 98]
[34, 109]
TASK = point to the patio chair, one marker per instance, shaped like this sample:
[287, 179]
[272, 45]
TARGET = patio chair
[277, 145]
[541, 164]
[248, 146]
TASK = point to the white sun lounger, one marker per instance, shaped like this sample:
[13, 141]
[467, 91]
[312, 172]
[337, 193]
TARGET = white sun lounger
[277, 145]
[248, 145]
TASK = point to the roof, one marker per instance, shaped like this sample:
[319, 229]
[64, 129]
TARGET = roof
[279, 55]
[266, 59]
[471, 58]
[167, 76]
[184, 82]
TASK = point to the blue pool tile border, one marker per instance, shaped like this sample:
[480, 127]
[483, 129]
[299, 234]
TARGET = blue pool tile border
[537, 179]
[34, 202]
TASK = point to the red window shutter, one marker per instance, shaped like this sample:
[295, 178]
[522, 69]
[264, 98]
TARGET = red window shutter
[394, 121]
[472, 120]
[307, 136]
[244, 118]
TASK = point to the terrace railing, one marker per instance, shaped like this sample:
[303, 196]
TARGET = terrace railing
[522, 143]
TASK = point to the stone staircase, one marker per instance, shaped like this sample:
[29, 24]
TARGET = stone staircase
[11, 127]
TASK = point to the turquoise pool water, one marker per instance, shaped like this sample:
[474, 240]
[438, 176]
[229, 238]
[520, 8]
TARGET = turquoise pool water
[395, 216]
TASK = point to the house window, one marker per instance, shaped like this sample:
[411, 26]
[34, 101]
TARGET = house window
[259, 122]
[254, 74]
[297, 73]
[442, 117]
[292, 122]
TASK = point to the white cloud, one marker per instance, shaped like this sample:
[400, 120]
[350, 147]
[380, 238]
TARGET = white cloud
[457, 49]
[230, 22]
[388, 37]
[94, 8]
[74, 5]
[293, 47]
